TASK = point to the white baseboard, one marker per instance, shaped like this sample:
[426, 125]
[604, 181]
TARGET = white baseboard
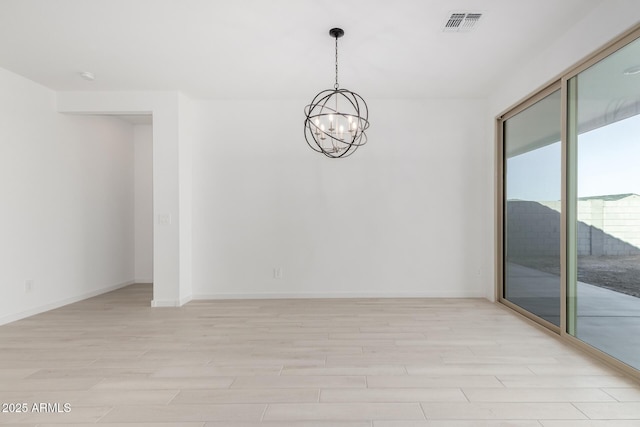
[164, 303]
[60, 303]
[332, 295]
[171, 302]
[144, 280]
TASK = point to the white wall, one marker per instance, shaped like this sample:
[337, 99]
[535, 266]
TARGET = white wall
[398, 218]
[143, 149]
[187, 131]
[67, 201]
[603, 24]
[164, 106]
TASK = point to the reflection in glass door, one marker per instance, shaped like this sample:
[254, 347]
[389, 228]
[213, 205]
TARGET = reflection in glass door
[604, 241]
[531, 216]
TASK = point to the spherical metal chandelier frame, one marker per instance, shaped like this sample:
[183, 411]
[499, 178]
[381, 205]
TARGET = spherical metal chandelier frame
[336, 119]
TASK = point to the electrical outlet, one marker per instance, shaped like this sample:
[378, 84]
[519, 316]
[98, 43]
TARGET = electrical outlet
[28, 286]
[277, 273]
[164, 219]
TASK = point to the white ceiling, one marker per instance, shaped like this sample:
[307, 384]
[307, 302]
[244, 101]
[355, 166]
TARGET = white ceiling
[277, 48]
[605, 95]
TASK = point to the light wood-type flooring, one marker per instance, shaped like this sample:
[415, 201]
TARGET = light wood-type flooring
[302, 363]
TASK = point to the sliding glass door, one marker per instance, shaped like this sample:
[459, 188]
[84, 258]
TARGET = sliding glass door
[569, 205]
[531, 208]
[604, 255]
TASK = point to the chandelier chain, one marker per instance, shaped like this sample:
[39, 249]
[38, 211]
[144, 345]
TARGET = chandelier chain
[336, 86]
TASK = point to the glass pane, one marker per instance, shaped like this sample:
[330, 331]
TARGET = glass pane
[532, 208]
[607, 235]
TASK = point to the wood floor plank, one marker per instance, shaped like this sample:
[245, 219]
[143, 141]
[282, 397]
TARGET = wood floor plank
[270, 395]
[290, 424]
[458, 423]
[168, 424]
[303, 363]
[343, 411]
[181, 413]
[501, 410]
[387, 395]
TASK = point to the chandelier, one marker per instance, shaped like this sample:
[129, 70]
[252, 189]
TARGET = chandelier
[336, 119]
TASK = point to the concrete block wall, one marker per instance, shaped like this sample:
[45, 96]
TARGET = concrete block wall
[533, 229]
[612, 227]
[590, 216]
[605, 227]
[622, 220]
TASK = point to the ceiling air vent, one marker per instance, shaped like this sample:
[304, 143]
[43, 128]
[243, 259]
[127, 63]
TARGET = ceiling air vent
[461, 22]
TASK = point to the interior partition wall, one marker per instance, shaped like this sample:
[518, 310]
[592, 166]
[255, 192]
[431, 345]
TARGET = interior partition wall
[569, 204]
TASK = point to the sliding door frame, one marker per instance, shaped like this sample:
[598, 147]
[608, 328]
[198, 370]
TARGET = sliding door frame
[500, 207]
[568, 214]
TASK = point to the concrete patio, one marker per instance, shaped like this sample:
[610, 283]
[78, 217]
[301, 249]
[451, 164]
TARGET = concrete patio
[607, 320]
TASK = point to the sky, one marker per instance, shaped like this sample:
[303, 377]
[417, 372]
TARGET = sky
[608, 163]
